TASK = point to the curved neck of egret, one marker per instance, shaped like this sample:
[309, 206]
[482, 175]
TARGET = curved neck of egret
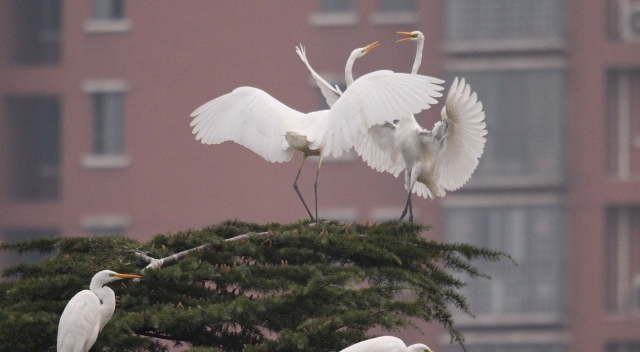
[418, 59]
[348, 74]
[106, 297]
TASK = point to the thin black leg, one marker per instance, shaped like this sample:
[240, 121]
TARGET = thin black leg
[315, 188]
[410, 209]
[295, 186]
[406, 207]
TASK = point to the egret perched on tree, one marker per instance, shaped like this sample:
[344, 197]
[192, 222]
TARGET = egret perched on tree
[435, 161]
[256, 120]
[386, 344]
[88, 312]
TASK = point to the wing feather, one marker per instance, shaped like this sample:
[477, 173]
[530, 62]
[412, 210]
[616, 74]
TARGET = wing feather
[330, 94]
[375, 98]
[377, 148]
[250, 117]
[461, 135]
[78, 321]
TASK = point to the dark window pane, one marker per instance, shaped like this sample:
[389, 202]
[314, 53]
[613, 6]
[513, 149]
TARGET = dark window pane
[34, 165]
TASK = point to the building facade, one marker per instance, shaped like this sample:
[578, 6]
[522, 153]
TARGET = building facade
[95, 98]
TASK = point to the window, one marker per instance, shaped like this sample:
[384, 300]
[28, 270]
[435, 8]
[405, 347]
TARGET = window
[623, 227]
[34, 143]
[627, 346]
[107, 16]
[108, 123]
[108, 9]
[525, 120]
[395, 12]
[473, 25]
[624, 20]
[108, 115]
[334, 13]
[397, 5]
[624, 123]
[533, 234]
[9, 258]
[35, 27]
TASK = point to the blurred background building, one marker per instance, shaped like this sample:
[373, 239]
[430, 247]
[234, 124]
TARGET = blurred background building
[95, 98]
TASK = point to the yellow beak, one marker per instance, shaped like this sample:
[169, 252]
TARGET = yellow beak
[370, 46]
[405, 39]
[128, 276]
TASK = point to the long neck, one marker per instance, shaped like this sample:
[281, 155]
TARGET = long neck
[348, 75]
[418, 59]
[108, 299]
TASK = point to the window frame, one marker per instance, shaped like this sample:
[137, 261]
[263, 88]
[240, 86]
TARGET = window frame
[518, 319]
[520, 64]
[95, 160]
[114, 25]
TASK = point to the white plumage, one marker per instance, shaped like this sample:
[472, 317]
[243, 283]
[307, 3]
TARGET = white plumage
[87, 313]
[256, 120]
[435, 161]
[386, 344]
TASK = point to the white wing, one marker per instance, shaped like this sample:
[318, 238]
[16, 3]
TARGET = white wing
[377, 148]
[79, 322]
[461, 137]
[330, 94]
[250, 117]
[373, 99]
[378, 344]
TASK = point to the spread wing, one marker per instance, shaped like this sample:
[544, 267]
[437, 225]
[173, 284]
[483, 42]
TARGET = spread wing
[460, 135]
[373, 99]
[330, 94]
[377, 148]
[250, 117]
[79, 322]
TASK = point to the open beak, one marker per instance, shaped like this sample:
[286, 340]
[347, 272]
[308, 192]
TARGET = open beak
[370, 46]
[128, 276]
[410, 36]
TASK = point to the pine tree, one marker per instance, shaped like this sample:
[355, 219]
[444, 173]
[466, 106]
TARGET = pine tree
[281, 288]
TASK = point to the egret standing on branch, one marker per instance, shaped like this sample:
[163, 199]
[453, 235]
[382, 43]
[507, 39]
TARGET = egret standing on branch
[256, 120]
[435, 161]
[386, 344]
[88, 312]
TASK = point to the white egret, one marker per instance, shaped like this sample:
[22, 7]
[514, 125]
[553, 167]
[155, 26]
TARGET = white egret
[435, 161]
[386, 344]
[256, 120]
[88, 312]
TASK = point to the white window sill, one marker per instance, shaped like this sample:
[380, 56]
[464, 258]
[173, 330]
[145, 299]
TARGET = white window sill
[510, 320]
[94, 161]
[322, 19]
[393, 18]
[92, 86]
[105, 221]
[107, 26]
[490, 46]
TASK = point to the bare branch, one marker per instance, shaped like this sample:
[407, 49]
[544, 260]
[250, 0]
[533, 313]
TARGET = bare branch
[156, 264]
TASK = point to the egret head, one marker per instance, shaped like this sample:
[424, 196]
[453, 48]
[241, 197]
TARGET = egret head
[415, 35]
[106, 276]
[360, 52]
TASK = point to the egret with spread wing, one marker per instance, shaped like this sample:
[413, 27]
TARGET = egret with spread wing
[435, 161]
[386, 344]
[256, 120]
[88, 312]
